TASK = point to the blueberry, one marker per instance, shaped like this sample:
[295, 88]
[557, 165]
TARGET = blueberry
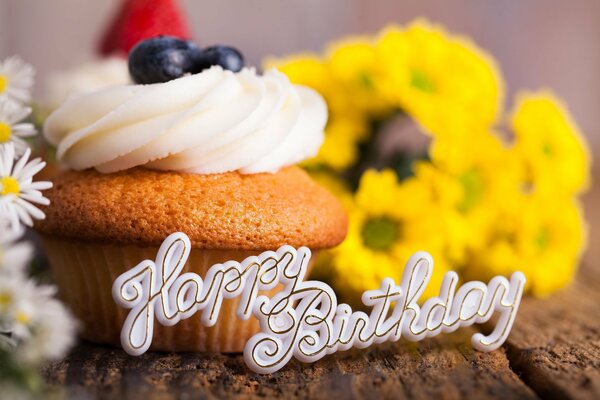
[162, 59]
[227, 57]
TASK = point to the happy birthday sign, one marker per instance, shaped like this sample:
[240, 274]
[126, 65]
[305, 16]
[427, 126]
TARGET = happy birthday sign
[303, 320]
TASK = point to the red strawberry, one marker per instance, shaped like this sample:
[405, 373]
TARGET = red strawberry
[142, 19]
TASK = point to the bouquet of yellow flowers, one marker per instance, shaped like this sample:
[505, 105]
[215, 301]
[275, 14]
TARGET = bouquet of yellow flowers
[494, 192]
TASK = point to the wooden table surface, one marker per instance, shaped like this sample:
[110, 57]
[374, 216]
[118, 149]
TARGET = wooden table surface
[552, 352]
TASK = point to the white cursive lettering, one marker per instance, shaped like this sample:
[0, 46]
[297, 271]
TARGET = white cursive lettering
[303, 320]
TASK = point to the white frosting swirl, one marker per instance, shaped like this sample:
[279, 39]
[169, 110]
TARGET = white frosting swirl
[212, 122]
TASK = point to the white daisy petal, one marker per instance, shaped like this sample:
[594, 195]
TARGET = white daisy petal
[22, 215]
[12, 113]
[16, 114]
[41, 200]
[44, 329]
[15, 256]
[17, 76]
[43, 185]
[7, 159]
[35, 197]
[14, 220]
[18, 167]
[30, 209]
[18, 198]
[24, 129]
[32, 168]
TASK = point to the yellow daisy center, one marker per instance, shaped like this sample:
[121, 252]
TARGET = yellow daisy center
[472, 184]
[9, 185]
[420, 80]
[3, 83]
[5, 299]
[380, 233]
[5, 132]
[22, 318]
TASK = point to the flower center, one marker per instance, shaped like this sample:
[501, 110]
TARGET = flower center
[5, 299]
[366, 80]
[420, 80]
[9, 185]
[380, 233]
[542, 239]
[5, 132]
[547, 149]
[22, 318]
[472, 188]
[3, 83]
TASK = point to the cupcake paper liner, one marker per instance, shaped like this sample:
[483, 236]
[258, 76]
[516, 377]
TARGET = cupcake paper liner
[85, 272]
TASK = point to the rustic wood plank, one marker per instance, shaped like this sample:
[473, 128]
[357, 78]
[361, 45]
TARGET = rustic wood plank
[445, 367]
[555, 343]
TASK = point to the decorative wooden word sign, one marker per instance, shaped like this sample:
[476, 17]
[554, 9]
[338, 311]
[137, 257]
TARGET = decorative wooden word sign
[304, 320]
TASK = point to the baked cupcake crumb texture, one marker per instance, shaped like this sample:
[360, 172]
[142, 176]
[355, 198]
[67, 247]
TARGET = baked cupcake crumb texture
[221, 211]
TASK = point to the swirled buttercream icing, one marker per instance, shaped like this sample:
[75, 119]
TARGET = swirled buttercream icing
[213, 122]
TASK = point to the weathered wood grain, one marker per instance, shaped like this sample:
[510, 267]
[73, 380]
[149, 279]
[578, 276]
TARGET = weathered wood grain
[555, 343]
[445, 367]
[553, 352]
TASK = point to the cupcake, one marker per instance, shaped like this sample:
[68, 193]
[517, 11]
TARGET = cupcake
[210, 154]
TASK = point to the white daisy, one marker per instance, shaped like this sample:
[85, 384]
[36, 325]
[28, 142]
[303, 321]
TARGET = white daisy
[14, 255]
[14, 300]
[10, 296]
[53, 333]
[16, 80]
[18, 192]
[39, 326]
[12, 130]
[28, 306]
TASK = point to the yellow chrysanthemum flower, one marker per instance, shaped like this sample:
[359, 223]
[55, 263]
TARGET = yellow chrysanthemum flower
[446, 83]
[323, 261]
[443, 195]
[346, 127]
[550, 145]
[336, 185]
[543, 238]
[340, 148]
[304, 69]
[388, 223]
[476, 203]
[313, 71]
[485, 167]
[355, 64]
[476, 178]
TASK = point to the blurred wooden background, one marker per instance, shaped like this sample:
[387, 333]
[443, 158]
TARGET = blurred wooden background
[539, 43]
